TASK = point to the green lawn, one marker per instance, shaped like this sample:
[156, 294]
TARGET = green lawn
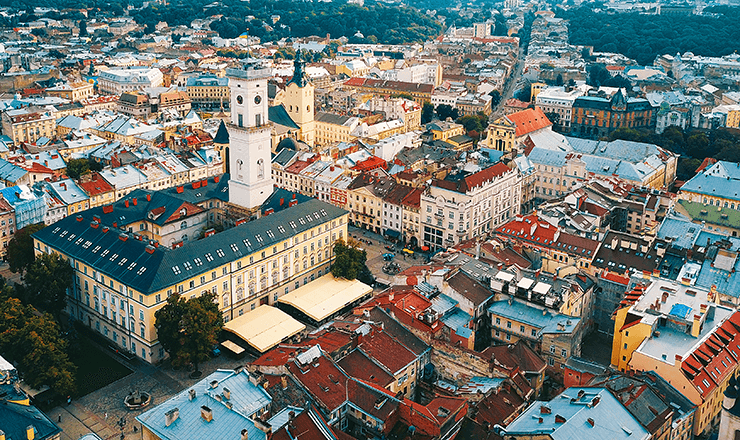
[94, 368]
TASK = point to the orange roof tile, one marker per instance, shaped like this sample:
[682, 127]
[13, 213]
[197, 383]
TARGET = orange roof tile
[529, 120]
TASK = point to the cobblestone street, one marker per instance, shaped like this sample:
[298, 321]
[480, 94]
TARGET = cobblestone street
[101, 411]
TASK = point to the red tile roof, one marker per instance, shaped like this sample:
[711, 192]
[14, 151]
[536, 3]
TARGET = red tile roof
[468, 183]
[393, 85]
[323, 379]
[614, 277]
[539, 232]
[97, 185]
[356, 364]
[716, 358]
[386, 351]
[529, 120]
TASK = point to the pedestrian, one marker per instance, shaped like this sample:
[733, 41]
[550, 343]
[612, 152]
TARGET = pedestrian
[59, 419]
[69, 400]
[106, 416]
[136, 429]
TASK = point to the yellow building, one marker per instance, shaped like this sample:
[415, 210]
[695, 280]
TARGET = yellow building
[443, 130]
[27, 126]
[76, 91]
[682, 334]
[333, 128]
[121, 281]
[208, 92]
[299, 102]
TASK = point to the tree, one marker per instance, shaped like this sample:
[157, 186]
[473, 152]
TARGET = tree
[686, 168]
[445, 111]
[77, 167]
[349, 262]
[474, 122]
[559, 80]
[47, 280]
[33, 342]
[525, 94]
[20, 248]
[427, 113]
[495, 98]
[597, 75]
[188, 329]
[83, 28]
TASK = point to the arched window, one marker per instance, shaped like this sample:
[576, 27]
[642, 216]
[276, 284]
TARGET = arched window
[286, 272]
[252, 287]
[263, 283]
[225, 299]
[184, 225]
[239, 294]
[184, 237]
[142, 331]
[275, 277]
[305, 263]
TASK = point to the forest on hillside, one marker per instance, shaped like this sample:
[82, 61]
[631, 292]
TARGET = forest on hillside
[643, 37]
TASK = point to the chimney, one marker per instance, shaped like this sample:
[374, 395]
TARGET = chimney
[206, 413]
[180, 189]
[269, 211]
[63, 185]
[191, 395]
[214, 384]
[559, 419]
[93, 225]
[282, 201]
[227, 393]
[125, 203]
[204, 182]
[216, 179]
[149, 249]
[262, 426]
[135, 201]
[30, 432]
[284, 381]
[148, 197]
[107, 209]
[209, 232]
[170, 416]
[591, 422]
[79, 218]
[95, 177]
[245, 434]
[696, 326]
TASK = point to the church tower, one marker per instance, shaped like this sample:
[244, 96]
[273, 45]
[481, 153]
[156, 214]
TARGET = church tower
[249, 130]
[299, 101]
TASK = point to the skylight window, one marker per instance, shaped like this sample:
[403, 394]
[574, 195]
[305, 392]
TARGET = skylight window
[209, 257]
[281, 229]
[316, 215]
[63, 233]
[104, 253]
[323, 213]
[198, 262]
[234, 248]
[187, 265]
[220, 253]
[56, 230]
[131, 266]
[71, 237]
[113, 257]
[270, 234]
[96, 249]
[258, 237]
[141, 270]
[292, 224]
[247, 243]
[302, 221]
[79, 240]
[176, 270]
[87, 244]
[122, 261]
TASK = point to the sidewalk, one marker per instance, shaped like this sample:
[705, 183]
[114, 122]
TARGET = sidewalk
[77, 421]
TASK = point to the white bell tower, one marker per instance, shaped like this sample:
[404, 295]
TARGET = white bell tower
[250, 183]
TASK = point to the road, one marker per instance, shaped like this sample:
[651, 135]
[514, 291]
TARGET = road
[376, 250]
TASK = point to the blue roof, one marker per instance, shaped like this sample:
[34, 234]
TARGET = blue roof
[456, 319]
[463, 332]
[10, 172]
[281, 418]
[680, 229]
[727, 283]
[226, 423]
[680, 311]
[443, 304]
[610, 418]
[538, 317]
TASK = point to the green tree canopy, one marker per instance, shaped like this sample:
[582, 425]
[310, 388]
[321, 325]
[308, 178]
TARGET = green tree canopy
[189, 329]
[33, 341]
[20, 248]
[427, 113]
[349, 262]
[445, 111]
[47, 280]
[77, 168]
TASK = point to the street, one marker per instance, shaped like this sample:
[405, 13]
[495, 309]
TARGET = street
[376, 250]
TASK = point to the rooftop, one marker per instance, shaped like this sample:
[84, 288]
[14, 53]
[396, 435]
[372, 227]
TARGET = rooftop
[264, 327]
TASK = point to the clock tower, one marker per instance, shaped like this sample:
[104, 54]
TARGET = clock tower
[250, 183]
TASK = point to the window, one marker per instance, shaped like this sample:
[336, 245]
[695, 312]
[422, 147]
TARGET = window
[564, 352]
[508, 324]
[552, 349]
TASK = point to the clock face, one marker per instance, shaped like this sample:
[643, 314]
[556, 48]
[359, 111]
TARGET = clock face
[239, 99]
[257, 99]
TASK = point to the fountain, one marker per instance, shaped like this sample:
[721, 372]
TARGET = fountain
[137, 400]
